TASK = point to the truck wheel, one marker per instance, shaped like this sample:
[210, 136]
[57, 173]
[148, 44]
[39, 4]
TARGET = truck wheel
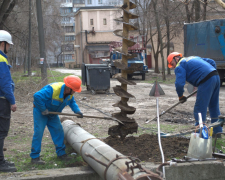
[143, 76]
[93, 92]
[107, 91]
[129, 77]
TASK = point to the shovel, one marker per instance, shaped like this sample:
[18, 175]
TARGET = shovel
[68, 114]
[164, 112]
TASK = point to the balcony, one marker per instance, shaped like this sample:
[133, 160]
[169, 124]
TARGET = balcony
[75, 2]
[69, 60]
[64, 23]
[66, 4]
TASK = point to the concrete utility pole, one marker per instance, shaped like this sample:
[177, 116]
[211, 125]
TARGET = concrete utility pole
[25, 58]
[29, 42]
[221, 3]
[41, 43]
[106, 161]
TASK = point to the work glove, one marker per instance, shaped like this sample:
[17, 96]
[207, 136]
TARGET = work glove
[81, 115]
[182, 99]
[45, 112]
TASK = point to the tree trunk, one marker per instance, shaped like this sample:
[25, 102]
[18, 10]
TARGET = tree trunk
[204, 9]
[156, 63]
[197, 10]
[5, 9]
[188, 14]
[42, 43]
[166, 5]
[159, 38]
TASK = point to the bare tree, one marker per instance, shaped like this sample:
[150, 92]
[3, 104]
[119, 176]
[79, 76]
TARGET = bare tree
[17, 25]
[6, 7]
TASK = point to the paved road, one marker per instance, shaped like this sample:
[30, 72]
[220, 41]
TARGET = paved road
[71, 71]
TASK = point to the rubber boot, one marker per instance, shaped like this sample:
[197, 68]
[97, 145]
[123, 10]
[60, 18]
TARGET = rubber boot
[216, 129]
[1, 149]
[4, 167]
[37, 161]
[65, 157]
[10, 163]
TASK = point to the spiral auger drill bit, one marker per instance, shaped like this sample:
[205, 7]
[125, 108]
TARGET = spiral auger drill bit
[130, 126]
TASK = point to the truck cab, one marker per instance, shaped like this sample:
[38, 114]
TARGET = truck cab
[139, 59]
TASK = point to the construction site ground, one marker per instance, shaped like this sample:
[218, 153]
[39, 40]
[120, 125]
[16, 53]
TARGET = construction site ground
[143, 145]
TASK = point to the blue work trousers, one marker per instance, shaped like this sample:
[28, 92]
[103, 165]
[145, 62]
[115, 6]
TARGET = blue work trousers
[208, 97]
[55, 128]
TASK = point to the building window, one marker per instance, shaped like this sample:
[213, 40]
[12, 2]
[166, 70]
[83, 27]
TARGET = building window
[69, 38]
[89, 2]
[66, 1]
[91, 22]
[66, 10]
[65, 19]
[68, 29]
[99, 1]
[68, 47]
[104, 21]
[78, 1]
[68, 56]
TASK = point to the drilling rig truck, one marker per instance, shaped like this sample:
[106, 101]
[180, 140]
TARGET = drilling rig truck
[138, 51]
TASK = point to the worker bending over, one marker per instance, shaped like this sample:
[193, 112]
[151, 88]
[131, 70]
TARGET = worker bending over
[53, 97]
[201, 73]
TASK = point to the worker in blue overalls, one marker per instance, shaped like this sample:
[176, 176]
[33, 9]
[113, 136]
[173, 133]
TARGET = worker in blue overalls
[201, 73]
[53, 97]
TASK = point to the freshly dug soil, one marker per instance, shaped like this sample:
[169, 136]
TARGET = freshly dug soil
[146, 147]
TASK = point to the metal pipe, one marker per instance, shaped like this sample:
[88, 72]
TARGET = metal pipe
[159, 138]
[99, 117]
[147, 121]
[106, 161]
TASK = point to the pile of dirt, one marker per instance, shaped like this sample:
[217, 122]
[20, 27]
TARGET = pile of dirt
[146, 147]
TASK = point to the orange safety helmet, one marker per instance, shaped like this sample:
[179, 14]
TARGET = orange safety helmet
[73, 82]
[171, 56]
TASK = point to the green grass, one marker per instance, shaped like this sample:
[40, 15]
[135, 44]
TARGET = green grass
[159, 80]
[53, 76]
[220, 143]
[23, 161]
[167, 128]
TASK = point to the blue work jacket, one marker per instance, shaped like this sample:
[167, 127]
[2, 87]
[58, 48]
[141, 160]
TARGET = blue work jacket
[51, 97]
[192, 69]
[6, 82]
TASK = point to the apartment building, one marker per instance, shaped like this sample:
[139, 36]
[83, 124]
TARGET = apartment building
[94, 32]
[68, 26]
[68, 9]
[89, 3]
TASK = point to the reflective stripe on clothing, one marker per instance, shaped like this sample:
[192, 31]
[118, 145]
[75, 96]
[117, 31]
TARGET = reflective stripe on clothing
[56, 92]
[3, 59]
[51, 97]
[6, 82]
